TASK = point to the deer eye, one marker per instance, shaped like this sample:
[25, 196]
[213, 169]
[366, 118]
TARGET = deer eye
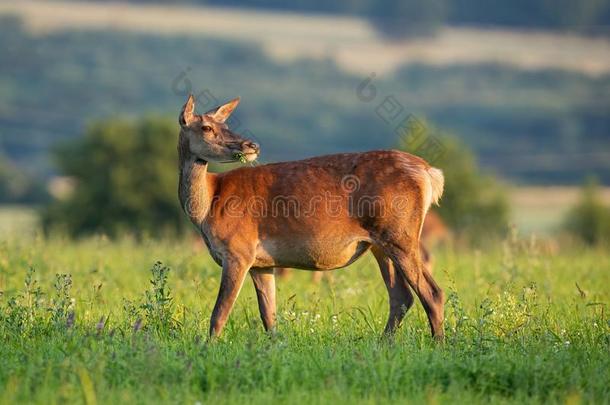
[206, 128]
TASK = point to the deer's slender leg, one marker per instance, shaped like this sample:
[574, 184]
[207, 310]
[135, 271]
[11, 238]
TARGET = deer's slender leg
[264, 283]
[233, 275]
[408, 263]
[401, 298]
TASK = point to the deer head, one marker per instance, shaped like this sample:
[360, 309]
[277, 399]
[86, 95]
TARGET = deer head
[207, 136]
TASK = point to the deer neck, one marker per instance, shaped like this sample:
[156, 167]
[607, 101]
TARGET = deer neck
[196, 186]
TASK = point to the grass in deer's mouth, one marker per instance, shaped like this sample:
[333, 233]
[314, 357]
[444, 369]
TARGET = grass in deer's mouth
[121, 328]
[240, 156]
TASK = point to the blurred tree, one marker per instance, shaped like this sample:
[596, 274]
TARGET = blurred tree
[397, 19]
[556, 14]
[589, 220]
[125, 175]
[473, 204]
[576, 15]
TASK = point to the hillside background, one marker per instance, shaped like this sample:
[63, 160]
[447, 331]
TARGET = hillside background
[526, 85]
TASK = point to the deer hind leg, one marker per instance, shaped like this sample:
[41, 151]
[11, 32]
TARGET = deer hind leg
[401, 298]
[264, 283]
[233, 276]
[410, 265]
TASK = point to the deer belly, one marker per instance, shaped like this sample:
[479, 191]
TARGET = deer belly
[308, 254]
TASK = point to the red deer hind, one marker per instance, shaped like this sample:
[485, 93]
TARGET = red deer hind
[321, 213]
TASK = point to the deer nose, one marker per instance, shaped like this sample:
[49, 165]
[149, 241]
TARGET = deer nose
[251, 145]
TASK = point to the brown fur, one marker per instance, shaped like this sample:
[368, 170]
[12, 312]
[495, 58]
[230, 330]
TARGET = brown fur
[433, 231]
[316, 214]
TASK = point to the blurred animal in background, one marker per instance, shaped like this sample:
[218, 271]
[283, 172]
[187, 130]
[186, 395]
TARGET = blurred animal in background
[434, 232]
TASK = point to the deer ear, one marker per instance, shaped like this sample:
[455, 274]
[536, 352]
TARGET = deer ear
[187, 115]
[224, 111]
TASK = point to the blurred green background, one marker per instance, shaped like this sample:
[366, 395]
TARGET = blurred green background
[517, 93]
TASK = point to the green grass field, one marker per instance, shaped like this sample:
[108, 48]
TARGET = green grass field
[518, 329]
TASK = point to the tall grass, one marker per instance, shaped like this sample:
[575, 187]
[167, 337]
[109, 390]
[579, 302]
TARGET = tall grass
[100, 321]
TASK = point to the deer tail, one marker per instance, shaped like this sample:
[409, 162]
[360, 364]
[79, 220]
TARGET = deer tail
[437, 183]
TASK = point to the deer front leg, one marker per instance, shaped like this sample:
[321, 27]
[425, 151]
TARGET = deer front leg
[233, 275]
[264, 283]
